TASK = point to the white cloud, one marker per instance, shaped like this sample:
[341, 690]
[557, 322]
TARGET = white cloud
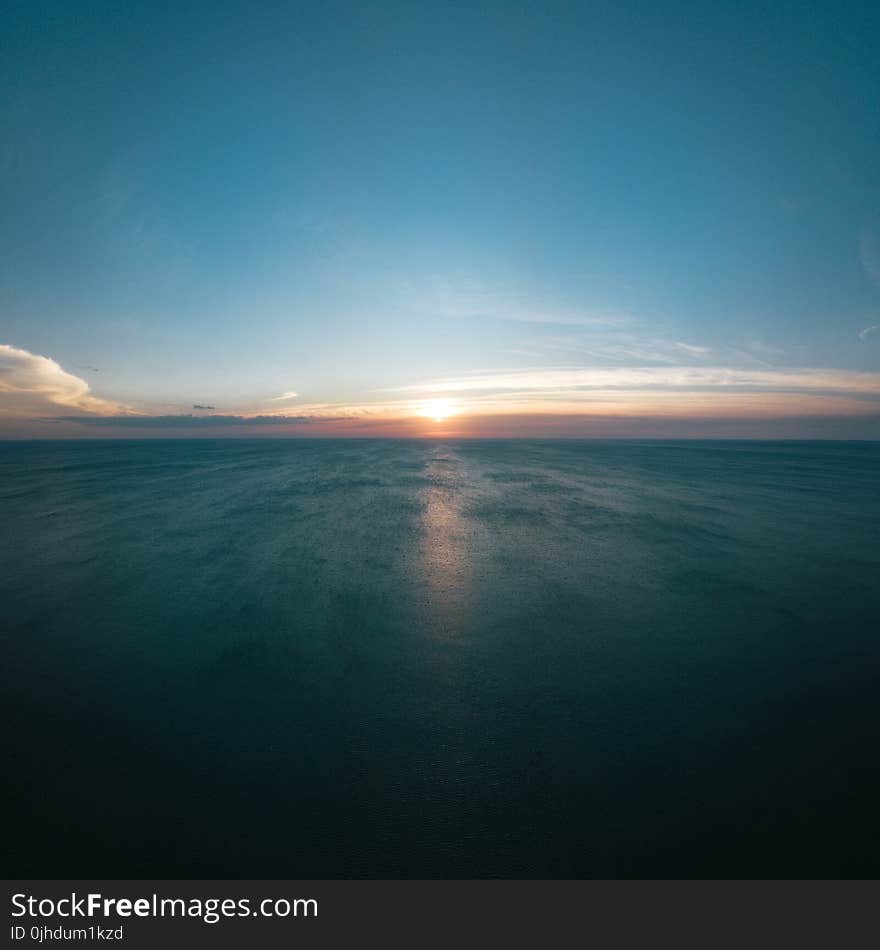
[869, 331]
[616, 348]
[685, 378]
[692, 350]
[32, 385]
[288, 395]
[475, 299]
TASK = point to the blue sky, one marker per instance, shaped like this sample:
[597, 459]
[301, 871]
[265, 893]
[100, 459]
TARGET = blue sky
[370, 204]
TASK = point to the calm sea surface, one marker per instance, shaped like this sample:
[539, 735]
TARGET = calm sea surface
[423, 659]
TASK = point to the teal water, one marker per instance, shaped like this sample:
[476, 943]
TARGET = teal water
[422, 659]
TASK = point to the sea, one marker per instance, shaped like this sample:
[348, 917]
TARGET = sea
[440, 659]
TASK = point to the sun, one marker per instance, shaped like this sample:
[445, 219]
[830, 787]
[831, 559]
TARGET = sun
[437, 409]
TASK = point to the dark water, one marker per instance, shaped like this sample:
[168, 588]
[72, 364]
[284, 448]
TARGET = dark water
[336, 659]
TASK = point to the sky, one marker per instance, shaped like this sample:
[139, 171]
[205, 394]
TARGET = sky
[455, 219]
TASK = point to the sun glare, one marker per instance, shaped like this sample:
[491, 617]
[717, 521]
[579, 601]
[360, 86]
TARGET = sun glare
[437, 409]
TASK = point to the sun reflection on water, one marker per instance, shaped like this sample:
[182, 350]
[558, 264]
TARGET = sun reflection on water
[447, 541]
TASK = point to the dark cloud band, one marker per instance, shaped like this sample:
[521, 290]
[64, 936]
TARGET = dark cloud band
[190, 421]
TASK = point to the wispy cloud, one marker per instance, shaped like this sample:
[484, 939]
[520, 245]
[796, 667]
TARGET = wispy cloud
[684, 391]
[283, 396]
[691, 349]
[869, 331]
[615, 347]
[476, 299]
[31, 384]
[641, 378]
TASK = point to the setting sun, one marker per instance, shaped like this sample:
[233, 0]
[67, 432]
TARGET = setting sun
[438, 409]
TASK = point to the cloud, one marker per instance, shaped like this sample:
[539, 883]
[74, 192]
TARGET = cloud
[560, 319]
[692, 350]
[288, 395]
[869, 331]
[190, 421]
[642, 378]
[463, 298]
[617, 348]
[34, 385]
[685, 391]
[197, 406]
